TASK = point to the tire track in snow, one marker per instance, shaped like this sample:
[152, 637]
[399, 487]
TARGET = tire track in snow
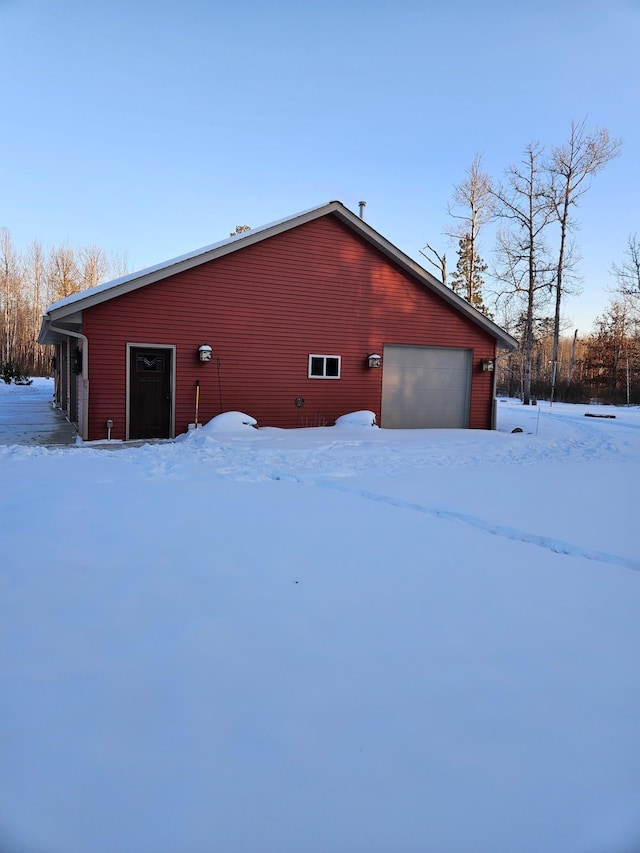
[557, 546]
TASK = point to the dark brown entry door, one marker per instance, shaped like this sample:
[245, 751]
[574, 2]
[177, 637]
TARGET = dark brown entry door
[150, 393]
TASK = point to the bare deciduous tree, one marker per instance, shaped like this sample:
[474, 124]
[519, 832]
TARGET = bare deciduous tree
[523, 265]
[571, 167]
[93, 266]
[64, 275]
[473, 206]
[440, 262]
[36, 356]
[627, 274]
[11, 286]
[29, 283]
[119, 265]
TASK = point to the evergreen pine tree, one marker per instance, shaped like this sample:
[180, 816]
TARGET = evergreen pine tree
[466, 279]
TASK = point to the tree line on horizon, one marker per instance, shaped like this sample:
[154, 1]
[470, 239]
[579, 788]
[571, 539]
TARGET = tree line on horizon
[31, 281]
[534, 266]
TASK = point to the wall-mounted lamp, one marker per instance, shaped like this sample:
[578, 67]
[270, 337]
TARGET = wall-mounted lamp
[374, 360]
[487, 364]
[204, 352]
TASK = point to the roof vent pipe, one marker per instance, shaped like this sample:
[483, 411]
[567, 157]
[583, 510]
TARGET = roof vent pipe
[362, 205]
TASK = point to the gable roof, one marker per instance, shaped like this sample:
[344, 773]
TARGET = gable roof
[66, 312]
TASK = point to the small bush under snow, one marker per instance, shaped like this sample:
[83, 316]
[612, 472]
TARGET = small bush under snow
[230, 422]
[357, 419]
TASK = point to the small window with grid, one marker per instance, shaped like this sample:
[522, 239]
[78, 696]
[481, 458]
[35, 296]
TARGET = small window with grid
[324, 367]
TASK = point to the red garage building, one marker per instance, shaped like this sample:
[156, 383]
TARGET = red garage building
[306, 319]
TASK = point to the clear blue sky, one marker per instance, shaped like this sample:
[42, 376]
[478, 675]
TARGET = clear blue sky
[154, 128]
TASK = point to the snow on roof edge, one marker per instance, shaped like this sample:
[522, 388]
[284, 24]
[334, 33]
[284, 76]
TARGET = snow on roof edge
[234, 238]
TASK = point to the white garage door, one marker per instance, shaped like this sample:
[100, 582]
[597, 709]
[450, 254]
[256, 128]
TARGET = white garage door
[425, 387]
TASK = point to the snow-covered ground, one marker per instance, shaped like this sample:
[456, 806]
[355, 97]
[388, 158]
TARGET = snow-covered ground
[331, 640]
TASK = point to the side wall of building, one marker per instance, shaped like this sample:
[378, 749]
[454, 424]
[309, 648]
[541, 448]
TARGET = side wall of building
[315, 289]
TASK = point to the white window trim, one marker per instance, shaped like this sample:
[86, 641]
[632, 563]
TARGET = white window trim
[324, 357]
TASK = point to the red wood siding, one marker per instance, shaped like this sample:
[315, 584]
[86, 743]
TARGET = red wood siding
[318, 288]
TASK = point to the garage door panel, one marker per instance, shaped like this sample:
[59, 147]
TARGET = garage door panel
[426, 387]
[440, 378]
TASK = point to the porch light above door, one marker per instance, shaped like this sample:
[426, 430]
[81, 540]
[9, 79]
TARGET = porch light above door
[374, 360]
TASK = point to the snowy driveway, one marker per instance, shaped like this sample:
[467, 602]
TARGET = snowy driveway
[27, 418]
